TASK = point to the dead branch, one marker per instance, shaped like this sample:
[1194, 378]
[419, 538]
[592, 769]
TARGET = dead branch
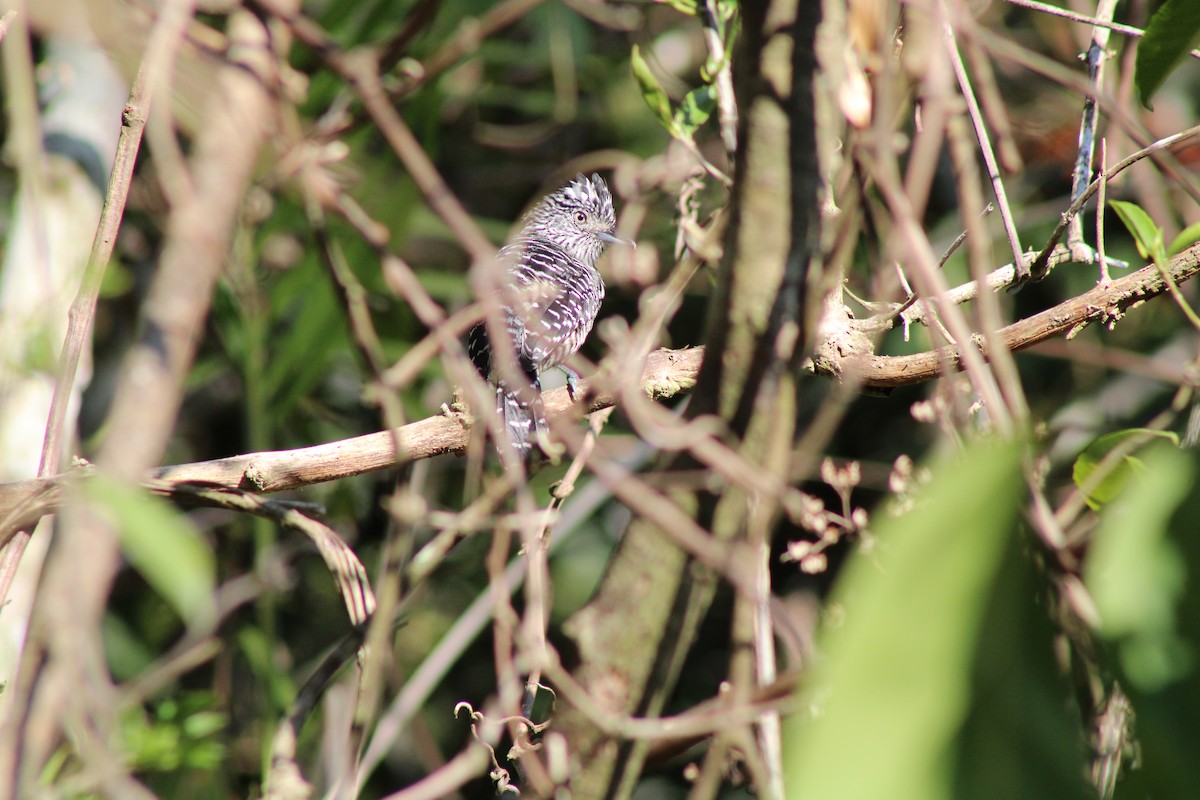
[666, 374]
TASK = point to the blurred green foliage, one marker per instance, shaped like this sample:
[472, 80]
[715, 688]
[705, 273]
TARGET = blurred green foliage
[918, 650]
[161, 544]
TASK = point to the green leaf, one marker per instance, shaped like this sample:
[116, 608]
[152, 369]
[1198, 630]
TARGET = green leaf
[542, 707]
[1186, 238]
[695, 109]
[1112, 484]
[1136, 575]
[1031, 748]
[892, 689]
[160, 543]
[652, 91]
[204, 723]
[1146, 235]
[1173, 31]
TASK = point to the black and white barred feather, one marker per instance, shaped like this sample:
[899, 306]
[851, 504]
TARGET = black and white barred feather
[551, 299]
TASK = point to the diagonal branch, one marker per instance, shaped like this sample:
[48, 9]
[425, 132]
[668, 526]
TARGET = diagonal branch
[666, 374]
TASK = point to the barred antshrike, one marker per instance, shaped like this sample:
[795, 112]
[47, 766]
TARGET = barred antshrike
[550, 299]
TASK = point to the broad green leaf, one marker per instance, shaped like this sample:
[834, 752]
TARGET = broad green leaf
[1173, 31]
[160, 543]
[1146, 235]
[652, 91]
[695, 109]
[891, 691]
[1021, 737]
[1186, 238]
[1165, 727]
[1136, 575]
[1111, 485]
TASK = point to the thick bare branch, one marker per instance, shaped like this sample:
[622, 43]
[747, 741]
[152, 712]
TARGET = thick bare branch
[666, 374]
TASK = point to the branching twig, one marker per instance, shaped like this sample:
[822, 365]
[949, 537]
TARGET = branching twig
[1041, 263]
[985, 145]
[1105, 303]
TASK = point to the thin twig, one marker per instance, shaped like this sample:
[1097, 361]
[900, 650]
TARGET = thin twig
[931, 283]
[472, 621]
[471, 32]
[1116, 27]
[469, 764]
[1117, 111]
[363, 328]
[727, 115]
[946, 255]
[419, 18]
[537, 551]
[704, 719]
[985, 145]
[1101, 204]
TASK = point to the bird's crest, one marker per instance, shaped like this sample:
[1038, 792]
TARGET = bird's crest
[590, 193]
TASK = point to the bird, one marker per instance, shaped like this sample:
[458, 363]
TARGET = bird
[549, 299]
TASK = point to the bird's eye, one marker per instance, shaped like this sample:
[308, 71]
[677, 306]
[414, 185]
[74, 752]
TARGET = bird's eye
[580, 216]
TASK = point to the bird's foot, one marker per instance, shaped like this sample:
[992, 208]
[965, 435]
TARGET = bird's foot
[572, 382]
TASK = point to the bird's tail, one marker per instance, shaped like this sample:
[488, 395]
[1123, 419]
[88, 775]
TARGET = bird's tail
[523, 415]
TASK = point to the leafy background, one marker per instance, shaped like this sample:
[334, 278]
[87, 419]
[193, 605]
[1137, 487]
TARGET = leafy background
[956, 653]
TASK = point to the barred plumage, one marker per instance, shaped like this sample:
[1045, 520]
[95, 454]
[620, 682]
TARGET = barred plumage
[552, 300]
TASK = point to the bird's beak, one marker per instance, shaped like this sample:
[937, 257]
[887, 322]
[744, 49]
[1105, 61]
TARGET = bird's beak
[611, 239]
